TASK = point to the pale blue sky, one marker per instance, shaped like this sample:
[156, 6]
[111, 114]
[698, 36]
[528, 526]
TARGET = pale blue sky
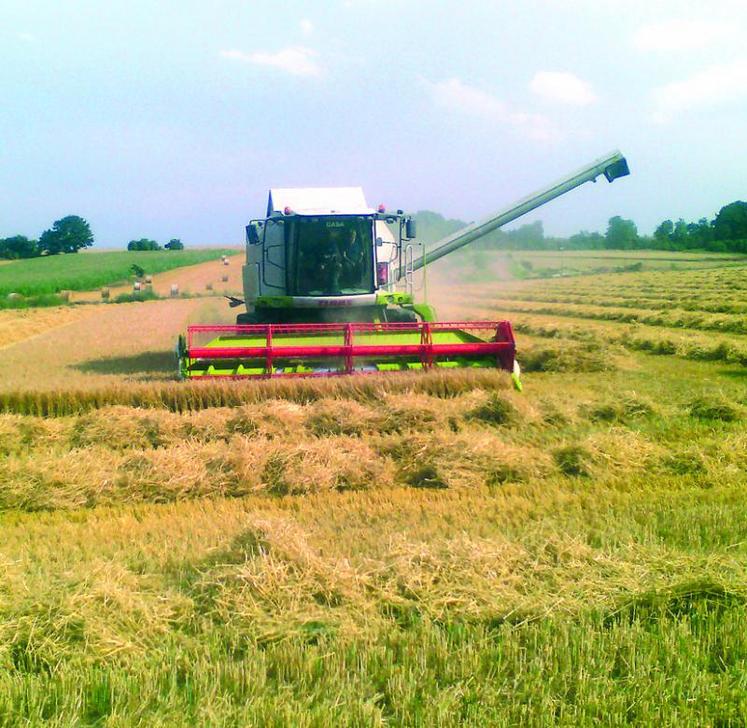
[162, 119]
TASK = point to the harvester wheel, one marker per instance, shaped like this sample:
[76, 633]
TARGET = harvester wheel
[400, 315]
[181, 353]
[247, 318]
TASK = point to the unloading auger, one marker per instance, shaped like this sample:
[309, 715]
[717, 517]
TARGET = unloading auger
[329, 290]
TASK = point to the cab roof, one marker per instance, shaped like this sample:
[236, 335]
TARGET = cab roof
[318, 201]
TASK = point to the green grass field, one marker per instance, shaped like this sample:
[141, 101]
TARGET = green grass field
[408, 550]
[86, 271]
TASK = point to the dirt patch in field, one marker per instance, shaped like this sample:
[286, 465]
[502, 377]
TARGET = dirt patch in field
[110, 343]
[20, 324]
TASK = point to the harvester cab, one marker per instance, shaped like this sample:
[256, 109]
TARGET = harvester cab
[329, 289]
[323, 255]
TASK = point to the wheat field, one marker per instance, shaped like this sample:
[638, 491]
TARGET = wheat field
[400, 550]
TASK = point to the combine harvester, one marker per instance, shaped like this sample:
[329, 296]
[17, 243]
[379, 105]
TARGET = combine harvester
[323, 286]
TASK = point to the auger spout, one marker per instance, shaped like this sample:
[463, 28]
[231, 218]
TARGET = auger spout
[612, 166]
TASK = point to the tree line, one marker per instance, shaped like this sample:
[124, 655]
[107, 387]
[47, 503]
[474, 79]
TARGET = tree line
[68, 235]
[147, 244]
[726, 233]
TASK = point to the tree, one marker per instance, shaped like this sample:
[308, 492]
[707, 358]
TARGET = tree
[433, 227]
[700, 233]
[18, 246]
[174, 244]
[67, 235]
[143, 244]
[679, 234]
[664, 231]
[586, 240]
[531, 235]
[731, 222]
[621, 233]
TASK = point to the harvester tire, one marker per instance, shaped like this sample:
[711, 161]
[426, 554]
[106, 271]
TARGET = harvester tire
[181, 353]
[246, 318]
[400, 316]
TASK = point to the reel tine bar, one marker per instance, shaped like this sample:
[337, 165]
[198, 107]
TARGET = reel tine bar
[348, 343]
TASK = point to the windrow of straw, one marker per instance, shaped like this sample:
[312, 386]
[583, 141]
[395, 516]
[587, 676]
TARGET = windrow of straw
[283, 448]
[665, 302]
[732, 324]
[193, 396]
[633, 339]
[48, 481]
[122, 428]
[120, 454]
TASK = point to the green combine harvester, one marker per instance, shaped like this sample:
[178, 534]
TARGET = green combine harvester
[329, 289]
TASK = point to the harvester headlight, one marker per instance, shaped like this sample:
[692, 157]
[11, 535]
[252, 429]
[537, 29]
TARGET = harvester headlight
[382, 273]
